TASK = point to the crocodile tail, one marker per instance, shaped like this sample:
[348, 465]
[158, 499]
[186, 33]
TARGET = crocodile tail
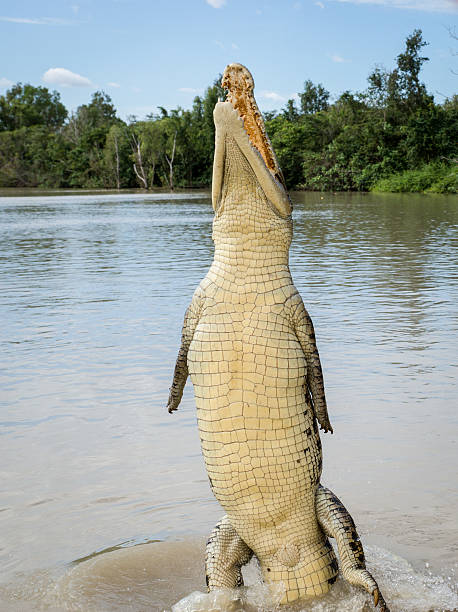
[337, 523]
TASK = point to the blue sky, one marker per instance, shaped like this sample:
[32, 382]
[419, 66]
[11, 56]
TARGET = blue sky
[146, 53]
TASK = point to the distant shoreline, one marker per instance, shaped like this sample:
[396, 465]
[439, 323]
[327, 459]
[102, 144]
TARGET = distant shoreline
[43, 191]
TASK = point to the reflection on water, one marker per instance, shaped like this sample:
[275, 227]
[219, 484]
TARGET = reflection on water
[93, 292]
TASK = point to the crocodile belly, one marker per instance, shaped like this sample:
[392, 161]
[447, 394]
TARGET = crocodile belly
[258, 433]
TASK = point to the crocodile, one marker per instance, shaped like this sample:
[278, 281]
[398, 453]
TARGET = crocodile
[248, 345]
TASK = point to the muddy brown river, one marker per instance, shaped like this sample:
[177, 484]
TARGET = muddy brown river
[104, 500]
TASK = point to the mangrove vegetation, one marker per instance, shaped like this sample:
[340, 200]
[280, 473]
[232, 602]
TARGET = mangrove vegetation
[393, 136]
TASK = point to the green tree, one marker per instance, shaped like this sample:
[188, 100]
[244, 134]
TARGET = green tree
[399, 92]
[314, 98]
[117, 157]
[87, 131]
[26, 105]
[92, 120]
[409, 65]
[431, 134]
[32, 157]
[290, 112]
[147, 142]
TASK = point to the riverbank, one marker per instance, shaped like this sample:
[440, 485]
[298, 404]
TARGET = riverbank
[432, 179]
[435, 177]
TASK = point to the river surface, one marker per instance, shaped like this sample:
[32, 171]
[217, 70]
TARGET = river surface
[104, 499]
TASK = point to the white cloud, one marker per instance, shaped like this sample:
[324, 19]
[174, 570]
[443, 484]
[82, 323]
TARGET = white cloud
[112, 84]
[5, 83]
[272, 95]
[338, 59]
[219, 43]
[38, 20]
[216, 3]
[320, 4]
[432, 6]
[193, 90]
[66, 78]
[234, 46]
[75, 8]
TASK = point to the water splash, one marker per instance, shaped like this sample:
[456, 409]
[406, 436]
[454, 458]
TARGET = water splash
[162, 577]
[406, 590]
[246, 599]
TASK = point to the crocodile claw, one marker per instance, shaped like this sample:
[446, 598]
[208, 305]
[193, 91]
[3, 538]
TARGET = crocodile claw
[378, 599]
[325, 425]
[376, 594]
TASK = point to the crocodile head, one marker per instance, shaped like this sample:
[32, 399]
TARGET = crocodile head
[239, 83]
[248, 189]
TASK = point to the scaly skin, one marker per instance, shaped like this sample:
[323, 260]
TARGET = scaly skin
[249, 346]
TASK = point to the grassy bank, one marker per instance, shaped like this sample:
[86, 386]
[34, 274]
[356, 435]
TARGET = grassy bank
[430, 178]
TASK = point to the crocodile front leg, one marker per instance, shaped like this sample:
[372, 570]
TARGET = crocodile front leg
[303, 327]
[337, 523]
[226, 552]
[181, 372]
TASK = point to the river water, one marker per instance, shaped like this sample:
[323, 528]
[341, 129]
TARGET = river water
[104, 500]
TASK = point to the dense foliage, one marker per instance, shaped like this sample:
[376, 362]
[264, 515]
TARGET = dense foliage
[393, 136]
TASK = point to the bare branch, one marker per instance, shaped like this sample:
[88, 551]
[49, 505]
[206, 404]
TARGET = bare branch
[170, 161]
[135, 144]
[141, 178]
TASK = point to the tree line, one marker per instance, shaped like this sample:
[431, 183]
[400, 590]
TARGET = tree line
[393, 133]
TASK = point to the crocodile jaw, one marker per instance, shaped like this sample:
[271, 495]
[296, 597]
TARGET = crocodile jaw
[248, 193]
[238, 81]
